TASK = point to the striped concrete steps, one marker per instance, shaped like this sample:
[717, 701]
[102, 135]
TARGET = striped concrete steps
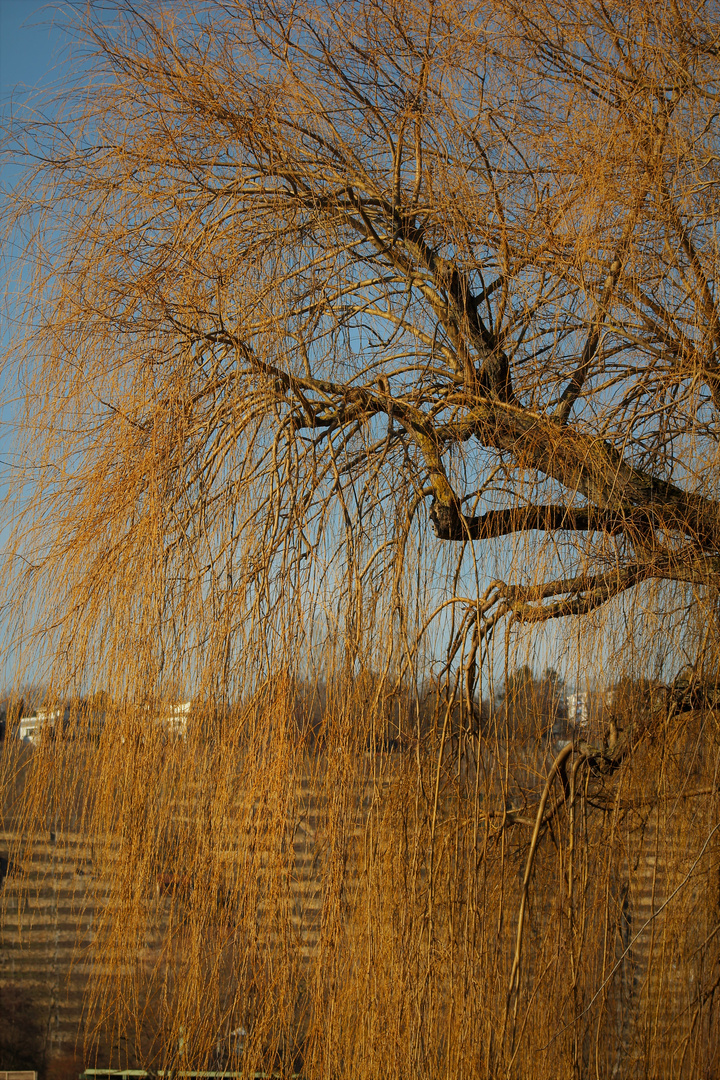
[53, 902]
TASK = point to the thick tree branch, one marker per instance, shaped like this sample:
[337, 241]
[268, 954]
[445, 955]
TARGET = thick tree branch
[590, 467]
[622, 498]
[543, 518]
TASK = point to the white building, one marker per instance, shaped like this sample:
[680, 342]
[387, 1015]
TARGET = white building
[585, 705]
[176, 720]
[577, 709]
[32, 727]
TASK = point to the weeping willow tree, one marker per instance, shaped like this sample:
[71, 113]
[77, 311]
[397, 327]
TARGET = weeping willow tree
[360, 346]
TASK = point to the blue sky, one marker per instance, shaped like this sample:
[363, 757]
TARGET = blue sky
[32, 43]
[33, 46]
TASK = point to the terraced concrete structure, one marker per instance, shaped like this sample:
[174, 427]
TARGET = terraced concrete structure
[51, 910]
[46, 924]
[53, 897]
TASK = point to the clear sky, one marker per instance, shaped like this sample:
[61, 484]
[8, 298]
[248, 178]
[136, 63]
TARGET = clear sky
[32, 42]
[33, 45]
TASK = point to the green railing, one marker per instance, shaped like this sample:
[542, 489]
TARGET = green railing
[174, 1074]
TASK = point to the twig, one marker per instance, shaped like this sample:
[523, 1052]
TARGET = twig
[515, 972]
